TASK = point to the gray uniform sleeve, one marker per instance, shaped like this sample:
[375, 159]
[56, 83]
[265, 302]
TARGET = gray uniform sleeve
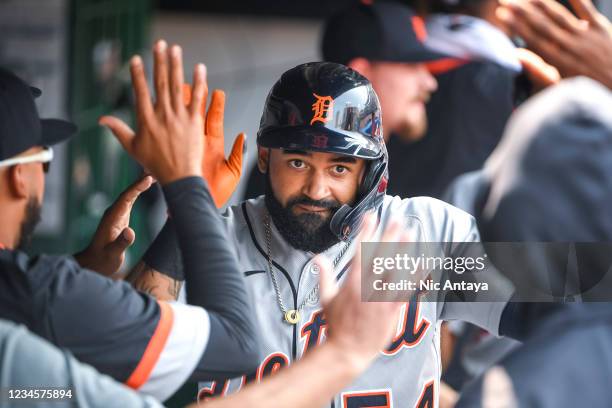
[486, 312]
[26, 361]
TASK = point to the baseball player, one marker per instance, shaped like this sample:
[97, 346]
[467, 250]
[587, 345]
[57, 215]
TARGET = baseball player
[321, 148]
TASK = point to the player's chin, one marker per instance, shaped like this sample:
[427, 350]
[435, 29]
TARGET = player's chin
[413, 127]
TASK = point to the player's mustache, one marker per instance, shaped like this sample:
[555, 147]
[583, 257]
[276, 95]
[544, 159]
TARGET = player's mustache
[330, 204]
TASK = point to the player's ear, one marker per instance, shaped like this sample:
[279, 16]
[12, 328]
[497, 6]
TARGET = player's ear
[18, 182]
[360, 65]
[263, 159]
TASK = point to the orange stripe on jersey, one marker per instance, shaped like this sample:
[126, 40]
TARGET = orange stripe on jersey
[418, 25]
[444, 65]
[156, 345]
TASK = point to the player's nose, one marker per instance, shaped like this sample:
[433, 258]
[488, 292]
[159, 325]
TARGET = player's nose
[316, 187]
[428, 81]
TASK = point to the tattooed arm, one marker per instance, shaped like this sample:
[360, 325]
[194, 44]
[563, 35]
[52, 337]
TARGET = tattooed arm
[148, 280]
[160, 271]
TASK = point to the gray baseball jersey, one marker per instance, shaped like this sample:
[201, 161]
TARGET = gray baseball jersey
[404, 375]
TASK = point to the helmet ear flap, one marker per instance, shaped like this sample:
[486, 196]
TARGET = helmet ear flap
[345, 222]
[338, 225]
[373, 172]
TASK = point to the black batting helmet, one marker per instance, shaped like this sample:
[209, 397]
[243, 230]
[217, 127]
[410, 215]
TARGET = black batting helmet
[328, 107]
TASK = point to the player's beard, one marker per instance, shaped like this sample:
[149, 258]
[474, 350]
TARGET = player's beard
[307, 231]
[30, 221]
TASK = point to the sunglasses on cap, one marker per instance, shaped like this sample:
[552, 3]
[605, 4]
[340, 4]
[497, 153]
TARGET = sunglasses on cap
[44, 156]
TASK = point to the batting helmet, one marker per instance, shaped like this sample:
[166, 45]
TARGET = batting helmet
[328, 107]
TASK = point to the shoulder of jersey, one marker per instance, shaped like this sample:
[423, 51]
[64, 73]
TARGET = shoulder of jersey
[234, 216]
[444, 221]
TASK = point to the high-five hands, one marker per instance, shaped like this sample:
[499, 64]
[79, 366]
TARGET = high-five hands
[222, 175]
[106, 252]
[168, 140]
[575, 46]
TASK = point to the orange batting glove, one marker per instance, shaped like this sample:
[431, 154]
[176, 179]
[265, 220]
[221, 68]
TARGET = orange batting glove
[221, 174]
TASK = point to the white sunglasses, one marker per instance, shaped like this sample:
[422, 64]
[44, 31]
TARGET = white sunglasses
[44, 156]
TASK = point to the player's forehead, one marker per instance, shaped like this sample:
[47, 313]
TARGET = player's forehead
[317, 157]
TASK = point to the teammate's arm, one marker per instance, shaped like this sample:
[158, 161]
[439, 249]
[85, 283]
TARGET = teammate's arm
[168, 143]
[148, 280]
[160, 271]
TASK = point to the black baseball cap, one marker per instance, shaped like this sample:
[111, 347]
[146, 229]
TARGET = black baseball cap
[379, 31]
[20, 126]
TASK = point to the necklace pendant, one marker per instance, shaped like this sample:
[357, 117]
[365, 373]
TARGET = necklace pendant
[292, 316]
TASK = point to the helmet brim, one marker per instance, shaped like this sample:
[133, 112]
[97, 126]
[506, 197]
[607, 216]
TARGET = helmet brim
[320, 139]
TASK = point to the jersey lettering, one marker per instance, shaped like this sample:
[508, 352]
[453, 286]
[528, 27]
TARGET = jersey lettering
[217, 388]
[427, 396]
[369, 399]
[272, 364]
[313, 331]
[413, 328]
[249, 378]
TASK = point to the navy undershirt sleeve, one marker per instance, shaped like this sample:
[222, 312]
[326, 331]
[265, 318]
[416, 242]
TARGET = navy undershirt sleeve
[164, 254]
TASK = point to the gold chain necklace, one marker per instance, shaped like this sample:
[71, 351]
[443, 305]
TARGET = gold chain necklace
[292, 316]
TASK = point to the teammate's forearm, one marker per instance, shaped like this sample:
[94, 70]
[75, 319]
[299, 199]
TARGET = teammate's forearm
[209, 263]
[164, 254]
[327, 369]
[146, 279]
[160, 271]
[214, 281]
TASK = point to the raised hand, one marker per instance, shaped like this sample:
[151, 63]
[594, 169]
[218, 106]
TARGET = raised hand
[221, 174]
[167, 141]
[106, 252]
[541, 74]
[575, 46]
[359, 329]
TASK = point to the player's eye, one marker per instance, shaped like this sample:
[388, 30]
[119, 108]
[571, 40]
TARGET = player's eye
[340, 170]
[297, 164]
